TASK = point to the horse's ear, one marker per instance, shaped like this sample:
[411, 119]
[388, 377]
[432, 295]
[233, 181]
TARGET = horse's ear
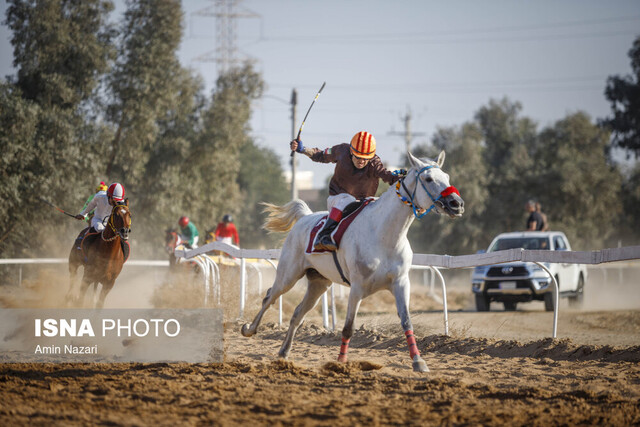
[126, 202]
[413, 160]
[440, 160]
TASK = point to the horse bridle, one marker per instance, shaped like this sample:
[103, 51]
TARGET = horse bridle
[410, 200]
[111, 225]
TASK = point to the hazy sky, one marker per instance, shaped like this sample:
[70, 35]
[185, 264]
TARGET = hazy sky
[442, 60]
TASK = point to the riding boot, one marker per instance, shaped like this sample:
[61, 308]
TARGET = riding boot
[80, 237]
[324, 242]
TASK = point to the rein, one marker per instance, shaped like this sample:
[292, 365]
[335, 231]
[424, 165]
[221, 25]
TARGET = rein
[112, 226]
[409, 201]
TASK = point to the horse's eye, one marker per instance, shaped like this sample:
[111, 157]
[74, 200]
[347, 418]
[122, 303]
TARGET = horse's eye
[429, 179]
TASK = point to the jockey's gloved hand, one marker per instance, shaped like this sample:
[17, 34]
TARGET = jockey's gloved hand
[400, 172]
[300, 148]
[80, 217]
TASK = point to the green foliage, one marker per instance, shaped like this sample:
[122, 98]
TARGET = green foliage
[176, 152]
[580, 189]
[629, 226]
[509, 141]
[624, 95]
[59, 48]
[468, 171]
[498, 162]
[93, 102]
[260, 179]
[142, 84]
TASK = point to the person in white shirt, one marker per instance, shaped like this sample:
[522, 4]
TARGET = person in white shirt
[102, 204]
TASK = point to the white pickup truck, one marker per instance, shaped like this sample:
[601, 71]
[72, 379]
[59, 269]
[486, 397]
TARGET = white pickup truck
[517, 282]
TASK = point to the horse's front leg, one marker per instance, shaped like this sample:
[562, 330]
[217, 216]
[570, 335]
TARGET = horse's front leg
[106, 288]
[355, 298]
[73, 272]
[84, 286]
[402, 292]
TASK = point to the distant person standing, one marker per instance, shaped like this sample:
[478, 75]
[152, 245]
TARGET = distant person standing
[535, 220]
[226, 231]
[545, 223]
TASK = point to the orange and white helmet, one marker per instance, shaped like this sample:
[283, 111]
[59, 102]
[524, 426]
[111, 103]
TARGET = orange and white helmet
[363, 145]
[116, 192]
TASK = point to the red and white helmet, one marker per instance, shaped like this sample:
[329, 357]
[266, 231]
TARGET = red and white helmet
[183, 221]
[116, 192]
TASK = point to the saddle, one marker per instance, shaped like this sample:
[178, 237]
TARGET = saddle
[349, 214]
[90, 238]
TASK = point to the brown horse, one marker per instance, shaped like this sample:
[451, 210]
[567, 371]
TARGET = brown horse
[102, 255]
[171, 241]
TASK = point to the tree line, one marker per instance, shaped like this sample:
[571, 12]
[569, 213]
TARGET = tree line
[93, 100]
[500, 159]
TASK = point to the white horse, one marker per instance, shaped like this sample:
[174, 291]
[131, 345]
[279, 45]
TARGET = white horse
[374, 253]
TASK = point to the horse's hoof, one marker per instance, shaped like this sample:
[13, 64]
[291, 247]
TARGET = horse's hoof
[419, 365]
[342, 358]
[284, 355]
[245, 330]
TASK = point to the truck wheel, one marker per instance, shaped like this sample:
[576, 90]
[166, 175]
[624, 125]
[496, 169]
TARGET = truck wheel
[482, 302]
[548, 301]
[510, 306]
[575, 301]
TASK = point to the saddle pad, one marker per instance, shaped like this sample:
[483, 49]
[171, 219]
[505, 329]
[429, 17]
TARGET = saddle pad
[89, 238]
[338, 232]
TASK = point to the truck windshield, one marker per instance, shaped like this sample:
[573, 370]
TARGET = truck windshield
[539, 243]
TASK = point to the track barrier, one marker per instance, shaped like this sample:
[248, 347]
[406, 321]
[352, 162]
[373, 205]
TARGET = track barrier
[434, 263]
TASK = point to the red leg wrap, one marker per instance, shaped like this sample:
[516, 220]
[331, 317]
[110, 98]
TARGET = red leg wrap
[413, 347]
[344, 347]
[335, 214]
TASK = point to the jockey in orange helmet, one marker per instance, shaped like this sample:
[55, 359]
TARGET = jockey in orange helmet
[356, 176]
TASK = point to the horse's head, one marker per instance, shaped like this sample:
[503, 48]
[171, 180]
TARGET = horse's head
[120, 221]
[171, 240]
[428, 187]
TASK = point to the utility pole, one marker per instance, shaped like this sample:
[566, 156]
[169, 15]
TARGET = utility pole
[294, 103]
[407, 134]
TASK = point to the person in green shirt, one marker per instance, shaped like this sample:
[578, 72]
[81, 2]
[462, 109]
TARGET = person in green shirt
[101, 187]
[188, 232]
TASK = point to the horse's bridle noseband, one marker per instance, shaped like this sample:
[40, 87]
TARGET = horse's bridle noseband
[111, 225]
[410, 200]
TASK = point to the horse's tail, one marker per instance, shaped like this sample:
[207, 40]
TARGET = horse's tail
[282, 218]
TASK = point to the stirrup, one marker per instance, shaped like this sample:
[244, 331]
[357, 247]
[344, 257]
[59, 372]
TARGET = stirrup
[325, 243]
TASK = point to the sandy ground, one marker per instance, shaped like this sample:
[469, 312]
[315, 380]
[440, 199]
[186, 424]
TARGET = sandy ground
[494, 368]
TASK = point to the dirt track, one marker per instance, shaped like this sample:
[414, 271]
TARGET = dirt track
[495, 368]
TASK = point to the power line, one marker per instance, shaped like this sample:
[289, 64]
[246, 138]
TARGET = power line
[433, 36]
[519, 85]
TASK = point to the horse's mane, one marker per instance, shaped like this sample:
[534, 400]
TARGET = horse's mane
[281, 219]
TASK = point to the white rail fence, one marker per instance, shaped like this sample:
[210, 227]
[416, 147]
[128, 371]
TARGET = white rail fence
[211, 271]
[435, 262]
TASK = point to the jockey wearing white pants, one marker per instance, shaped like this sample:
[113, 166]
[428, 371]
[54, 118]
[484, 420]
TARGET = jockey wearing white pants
[103, 202]
[357, 174]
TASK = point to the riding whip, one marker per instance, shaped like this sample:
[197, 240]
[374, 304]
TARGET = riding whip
[306, 115]
[55, 207]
